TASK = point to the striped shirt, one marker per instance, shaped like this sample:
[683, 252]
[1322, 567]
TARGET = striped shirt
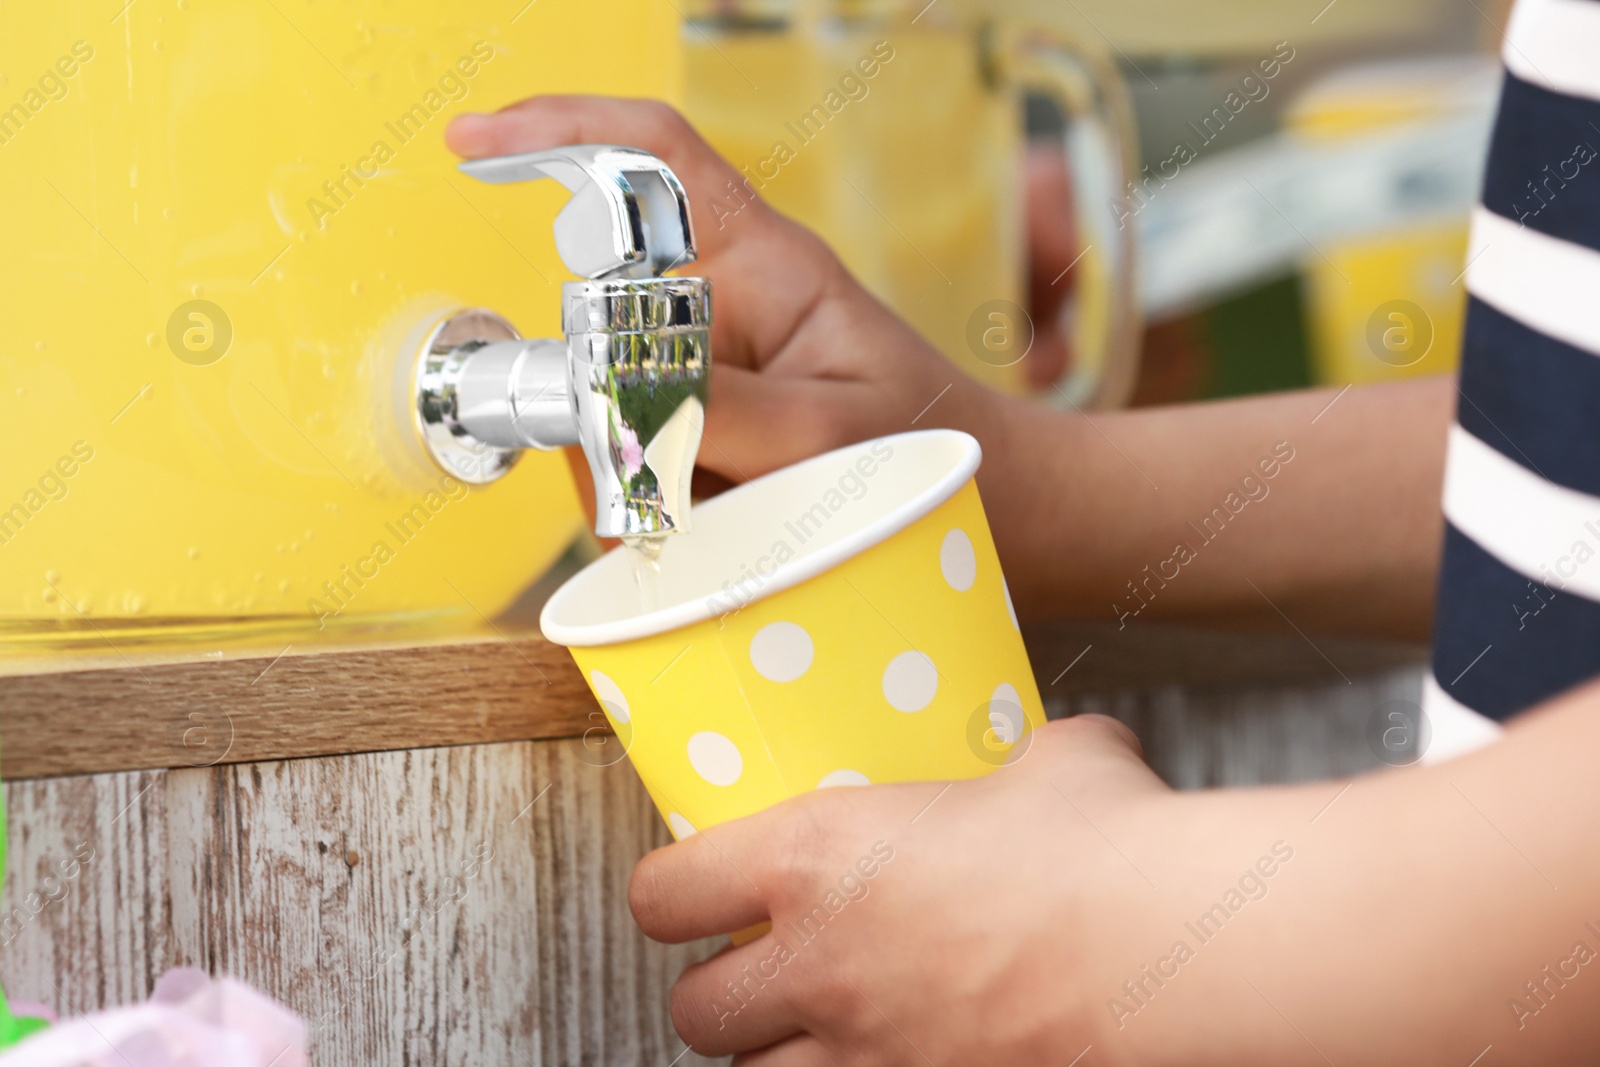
[1518, 616]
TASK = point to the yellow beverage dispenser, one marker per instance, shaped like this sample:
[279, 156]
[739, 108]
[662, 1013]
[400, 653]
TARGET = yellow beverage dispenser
[221, 223]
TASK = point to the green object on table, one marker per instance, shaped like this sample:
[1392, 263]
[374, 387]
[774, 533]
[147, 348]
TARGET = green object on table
[13, 1028]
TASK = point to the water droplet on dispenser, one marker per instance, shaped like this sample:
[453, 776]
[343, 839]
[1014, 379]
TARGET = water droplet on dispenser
[136, 604]
[355, 289]
[21, 391]
[260, 577]
[38, 346]
[283, 585]
[48, 596]
[152, 339]
[194, 552]
[168, 213]
[195, 290]
[52, 576]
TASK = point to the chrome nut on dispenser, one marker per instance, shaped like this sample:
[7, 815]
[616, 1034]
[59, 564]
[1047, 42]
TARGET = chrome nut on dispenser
[630, 381]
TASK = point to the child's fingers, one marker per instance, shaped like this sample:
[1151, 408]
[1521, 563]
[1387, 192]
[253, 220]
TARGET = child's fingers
[1100, 735]
[739, 999]
[1100, 756]
[802, 1050]
[694, 889]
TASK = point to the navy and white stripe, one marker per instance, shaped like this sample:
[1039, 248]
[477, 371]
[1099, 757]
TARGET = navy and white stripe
[1518, 616]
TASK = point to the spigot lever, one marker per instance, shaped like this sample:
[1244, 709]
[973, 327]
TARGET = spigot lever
[628, 216]
[629, 382]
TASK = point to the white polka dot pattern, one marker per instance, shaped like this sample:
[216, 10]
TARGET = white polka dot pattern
[783, 695]
[1005, 713]
[910, 681]
[611, 696]
[846, 777]
[715, 758]
[958, 561]
[781, 651]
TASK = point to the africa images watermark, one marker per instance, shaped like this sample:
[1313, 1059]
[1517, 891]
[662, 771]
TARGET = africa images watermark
[1250, 887]
[453, 87]
[1251, 89]
[851, 888]
[1557, 575]
[1251, 489]
[52, 890]
[1542, 989]
[343, 588]
[451, 890]
[1542, 195]
[52, 87]
[52, 486]
[738, 593]
[807, 128]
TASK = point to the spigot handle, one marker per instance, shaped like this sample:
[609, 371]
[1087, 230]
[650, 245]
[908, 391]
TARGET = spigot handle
[628, 216]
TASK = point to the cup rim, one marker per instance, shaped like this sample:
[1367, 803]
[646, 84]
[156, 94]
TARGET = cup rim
[786, 575]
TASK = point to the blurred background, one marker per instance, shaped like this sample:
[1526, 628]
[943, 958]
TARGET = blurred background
[1266, 194]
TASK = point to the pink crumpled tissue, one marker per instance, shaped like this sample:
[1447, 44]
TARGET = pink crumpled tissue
[191, 1020]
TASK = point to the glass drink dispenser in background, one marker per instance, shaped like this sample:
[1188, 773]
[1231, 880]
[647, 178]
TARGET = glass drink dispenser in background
[216, 218]
[895, 129]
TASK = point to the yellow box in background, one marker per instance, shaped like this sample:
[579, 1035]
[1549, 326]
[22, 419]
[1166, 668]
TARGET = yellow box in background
[1388, 304]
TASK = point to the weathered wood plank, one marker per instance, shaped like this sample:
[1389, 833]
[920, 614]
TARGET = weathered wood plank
[464, 905]
[1251, 736]
[424, 897]
[86, 920]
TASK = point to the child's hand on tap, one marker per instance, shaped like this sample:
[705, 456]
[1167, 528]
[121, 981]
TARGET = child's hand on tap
[804, 358]
[1082, 507]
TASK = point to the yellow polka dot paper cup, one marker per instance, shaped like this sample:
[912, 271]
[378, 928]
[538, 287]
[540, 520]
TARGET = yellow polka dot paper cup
[840, 622]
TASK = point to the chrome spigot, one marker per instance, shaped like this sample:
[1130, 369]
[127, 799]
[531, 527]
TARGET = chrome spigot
[629, 382]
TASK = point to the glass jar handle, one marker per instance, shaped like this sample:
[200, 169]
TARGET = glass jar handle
[1101, 156]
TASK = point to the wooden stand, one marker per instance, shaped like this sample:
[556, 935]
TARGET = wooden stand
[417, 848]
